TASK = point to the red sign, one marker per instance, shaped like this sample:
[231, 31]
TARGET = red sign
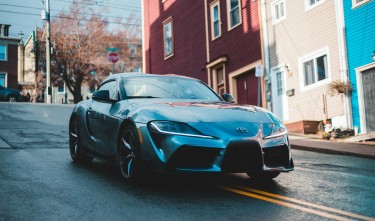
[113, 57]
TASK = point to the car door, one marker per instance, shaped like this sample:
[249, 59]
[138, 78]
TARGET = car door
[102, 121]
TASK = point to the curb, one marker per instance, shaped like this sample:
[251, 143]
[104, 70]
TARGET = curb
[330, 151]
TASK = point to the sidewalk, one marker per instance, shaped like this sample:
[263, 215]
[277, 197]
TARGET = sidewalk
[341, 147]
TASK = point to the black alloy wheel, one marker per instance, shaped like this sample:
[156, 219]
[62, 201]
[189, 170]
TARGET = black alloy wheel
[265, 175]
[74, 143]
[129, 154]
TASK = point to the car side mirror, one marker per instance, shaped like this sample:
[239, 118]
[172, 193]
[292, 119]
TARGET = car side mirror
[228, 98]
[101, 95]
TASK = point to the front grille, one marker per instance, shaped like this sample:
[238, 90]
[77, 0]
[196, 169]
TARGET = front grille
[242, 157]
[187, 157]
[276, 156]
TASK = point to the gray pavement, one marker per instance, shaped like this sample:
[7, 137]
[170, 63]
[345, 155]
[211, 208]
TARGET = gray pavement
[341, 147]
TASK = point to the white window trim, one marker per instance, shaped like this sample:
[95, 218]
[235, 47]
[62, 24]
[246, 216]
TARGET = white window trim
[213, 4]
[324, 51]
[6, 53]
[274, 20]
[5, 79]
[228, 15]
[309, 7]
[356, 5]
[361, 102]
[168, 20]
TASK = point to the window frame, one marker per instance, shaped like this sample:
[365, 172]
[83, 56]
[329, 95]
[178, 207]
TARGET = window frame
[313, 56]
[356, 5]
[229, 11]
[5, 53]
[274, 19]
[165, 23]
[212, 6]
[316, 4]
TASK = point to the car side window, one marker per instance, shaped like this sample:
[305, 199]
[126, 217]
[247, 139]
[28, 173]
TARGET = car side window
[111, 86]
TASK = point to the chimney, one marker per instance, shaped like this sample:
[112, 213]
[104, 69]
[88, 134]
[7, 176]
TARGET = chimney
[4, 30]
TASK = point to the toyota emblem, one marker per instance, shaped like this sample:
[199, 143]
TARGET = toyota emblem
[241, 130]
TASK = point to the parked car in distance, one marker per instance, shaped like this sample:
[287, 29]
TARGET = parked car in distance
[170, 123]
[9, 95]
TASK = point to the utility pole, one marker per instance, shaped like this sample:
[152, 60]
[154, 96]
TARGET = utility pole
[46, 17]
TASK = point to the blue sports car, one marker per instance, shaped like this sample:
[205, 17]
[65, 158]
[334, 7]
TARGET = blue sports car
[171, 123]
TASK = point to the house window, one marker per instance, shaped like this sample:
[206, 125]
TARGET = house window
[357, 3]
[61, 87]
[168, 38]
[278, 11]
[132, 51]
[234, 13]
[219, 72]
[3, 79]
[215, 20]
[279, 82]
[3, 52]
[315, 68]
[313, 3]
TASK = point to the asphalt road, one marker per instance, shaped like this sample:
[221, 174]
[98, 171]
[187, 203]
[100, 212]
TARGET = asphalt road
[38, 181]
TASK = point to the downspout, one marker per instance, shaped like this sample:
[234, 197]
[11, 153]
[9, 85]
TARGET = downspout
[143, 38]
[207, 43]
[343, 60]
[266, 53]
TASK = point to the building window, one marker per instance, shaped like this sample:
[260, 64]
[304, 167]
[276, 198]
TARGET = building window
[137, 69]
[313, 3]
[357, 3]
[315, 68]
[3, 52]
[278, 11]
[168, 38]
[234, 13]
[220, 84]
[280, 83]
[3, 79]
[215, 20]
[61, 87]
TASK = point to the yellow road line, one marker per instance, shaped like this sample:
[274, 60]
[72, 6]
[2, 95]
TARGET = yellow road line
[353, 215]
[282, 203]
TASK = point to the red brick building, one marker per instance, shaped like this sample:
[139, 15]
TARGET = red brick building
[8, 58]
[216, 41]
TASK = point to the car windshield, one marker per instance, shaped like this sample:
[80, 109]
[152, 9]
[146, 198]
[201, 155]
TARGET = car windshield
[167, 87]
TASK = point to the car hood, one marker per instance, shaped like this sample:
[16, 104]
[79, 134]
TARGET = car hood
[192, 112]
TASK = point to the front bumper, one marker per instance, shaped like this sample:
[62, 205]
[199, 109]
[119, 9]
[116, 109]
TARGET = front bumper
[234, 154]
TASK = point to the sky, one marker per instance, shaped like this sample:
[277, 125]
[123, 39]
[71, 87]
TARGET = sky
[25, 15]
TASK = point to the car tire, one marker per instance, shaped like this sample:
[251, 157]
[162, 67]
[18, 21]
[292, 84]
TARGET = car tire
[129, 154]
[75, 144]
[266, 175]
[12, 98]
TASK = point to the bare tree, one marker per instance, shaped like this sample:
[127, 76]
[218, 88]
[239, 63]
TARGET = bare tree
[77, 39]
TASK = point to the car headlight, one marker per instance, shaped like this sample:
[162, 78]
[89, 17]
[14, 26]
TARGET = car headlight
[277, 129]
[175, 128]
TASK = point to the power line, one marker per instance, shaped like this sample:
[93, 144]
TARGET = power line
[20, 6]
[25, 13]
[119, 6]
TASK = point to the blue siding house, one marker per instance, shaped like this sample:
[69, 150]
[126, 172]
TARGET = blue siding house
[359, 18]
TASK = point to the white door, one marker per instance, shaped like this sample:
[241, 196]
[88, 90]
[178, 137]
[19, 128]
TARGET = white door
[279, 98]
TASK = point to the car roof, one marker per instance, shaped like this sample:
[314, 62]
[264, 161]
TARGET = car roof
[132, 74]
